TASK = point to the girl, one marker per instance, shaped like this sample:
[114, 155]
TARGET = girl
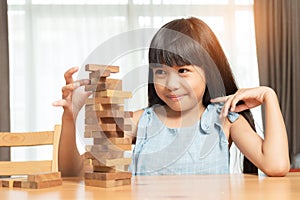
[195, 111]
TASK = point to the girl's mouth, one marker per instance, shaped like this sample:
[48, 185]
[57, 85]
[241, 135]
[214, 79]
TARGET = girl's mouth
[175, 97]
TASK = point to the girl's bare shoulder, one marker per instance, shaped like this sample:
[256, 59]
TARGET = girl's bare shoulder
[136, 116]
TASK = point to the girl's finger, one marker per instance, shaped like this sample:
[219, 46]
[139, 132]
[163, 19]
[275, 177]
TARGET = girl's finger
[84, 82]
[234, 102]
[60, 102]
[68, 75]
[71, 86]
[241, 108]
[227, 105]
[219, 99]
[75, 85]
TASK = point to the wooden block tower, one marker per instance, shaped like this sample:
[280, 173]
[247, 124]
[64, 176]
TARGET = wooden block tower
[107, 123]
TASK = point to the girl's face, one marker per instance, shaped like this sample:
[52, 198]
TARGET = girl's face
[180, 87]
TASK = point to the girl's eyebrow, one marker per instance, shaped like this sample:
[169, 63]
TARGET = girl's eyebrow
[156, 66]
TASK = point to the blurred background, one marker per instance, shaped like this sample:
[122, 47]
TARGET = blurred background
[47, 37]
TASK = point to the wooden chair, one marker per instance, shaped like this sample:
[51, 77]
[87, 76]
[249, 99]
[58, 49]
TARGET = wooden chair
[9, 139]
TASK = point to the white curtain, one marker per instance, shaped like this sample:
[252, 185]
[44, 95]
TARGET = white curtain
[46, 37]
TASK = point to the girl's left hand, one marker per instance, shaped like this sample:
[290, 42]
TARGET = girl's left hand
[251, 97]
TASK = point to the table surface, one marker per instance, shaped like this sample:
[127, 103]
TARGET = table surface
[234, 186]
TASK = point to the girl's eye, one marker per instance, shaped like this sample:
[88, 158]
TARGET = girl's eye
[183, 70]
[159, 72]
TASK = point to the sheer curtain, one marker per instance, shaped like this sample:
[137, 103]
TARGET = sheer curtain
[47, 37]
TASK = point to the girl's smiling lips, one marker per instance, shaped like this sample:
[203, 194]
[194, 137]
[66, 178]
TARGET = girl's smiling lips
[174, 97]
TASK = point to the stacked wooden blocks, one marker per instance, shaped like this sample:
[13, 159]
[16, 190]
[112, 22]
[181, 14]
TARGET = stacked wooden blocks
[108, 124]
[34, 181]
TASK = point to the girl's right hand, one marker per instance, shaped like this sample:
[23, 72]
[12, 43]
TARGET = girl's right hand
[73, 95]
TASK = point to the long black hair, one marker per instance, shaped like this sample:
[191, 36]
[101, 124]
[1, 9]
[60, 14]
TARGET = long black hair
[191, 42]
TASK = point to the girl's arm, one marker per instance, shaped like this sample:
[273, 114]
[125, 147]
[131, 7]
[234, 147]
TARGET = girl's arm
[70, 162]
[270, 154]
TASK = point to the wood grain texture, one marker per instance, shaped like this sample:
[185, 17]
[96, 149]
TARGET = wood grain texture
[107, 183]
[227, 186]
[44, 176]
[112, 162]
[113, 93]
[107, 176]
[24, 168]
[96, 67]
[104, 100]
[8, 139]
[30, 139]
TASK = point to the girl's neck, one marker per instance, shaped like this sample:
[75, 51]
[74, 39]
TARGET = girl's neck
[176, 119]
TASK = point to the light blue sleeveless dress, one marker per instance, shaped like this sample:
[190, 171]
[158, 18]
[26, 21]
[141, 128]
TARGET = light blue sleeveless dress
[198, 149]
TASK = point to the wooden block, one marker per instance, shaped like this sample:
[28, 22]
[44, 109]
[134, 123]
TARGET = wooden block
[106, 169]
[114, 114]
[104, 155]
[21, 184]
[112, 162]
[109, 114]
[104, 141]
[43, 184]
[98, 107]
[95, 67]
[7, 183]
[96, 120]
[113, 93]
[112, 84]
[92, 127]
[121, 121]
[100, 126]
[124, 127]
[95, 88]
[99, 74]
[12, 182]
[113, 134]
[107, 176]
[108, 147]
[104, 134]
[107, 183]
[97, 80]
[110, 107]
[94, 134]
[44, 176]
[25, 183]
[91, 121]
[104, 100]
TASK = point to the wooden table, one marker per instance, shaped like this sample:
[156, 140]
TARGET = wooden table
[214, 187]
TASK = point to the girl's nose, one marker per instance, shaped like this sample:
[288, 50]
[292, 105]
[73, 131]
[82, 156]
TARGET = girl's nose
[173, 81]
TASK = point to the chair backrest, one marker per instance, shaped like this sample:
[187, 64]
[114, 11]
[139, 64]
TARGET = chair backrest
[9, 139]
